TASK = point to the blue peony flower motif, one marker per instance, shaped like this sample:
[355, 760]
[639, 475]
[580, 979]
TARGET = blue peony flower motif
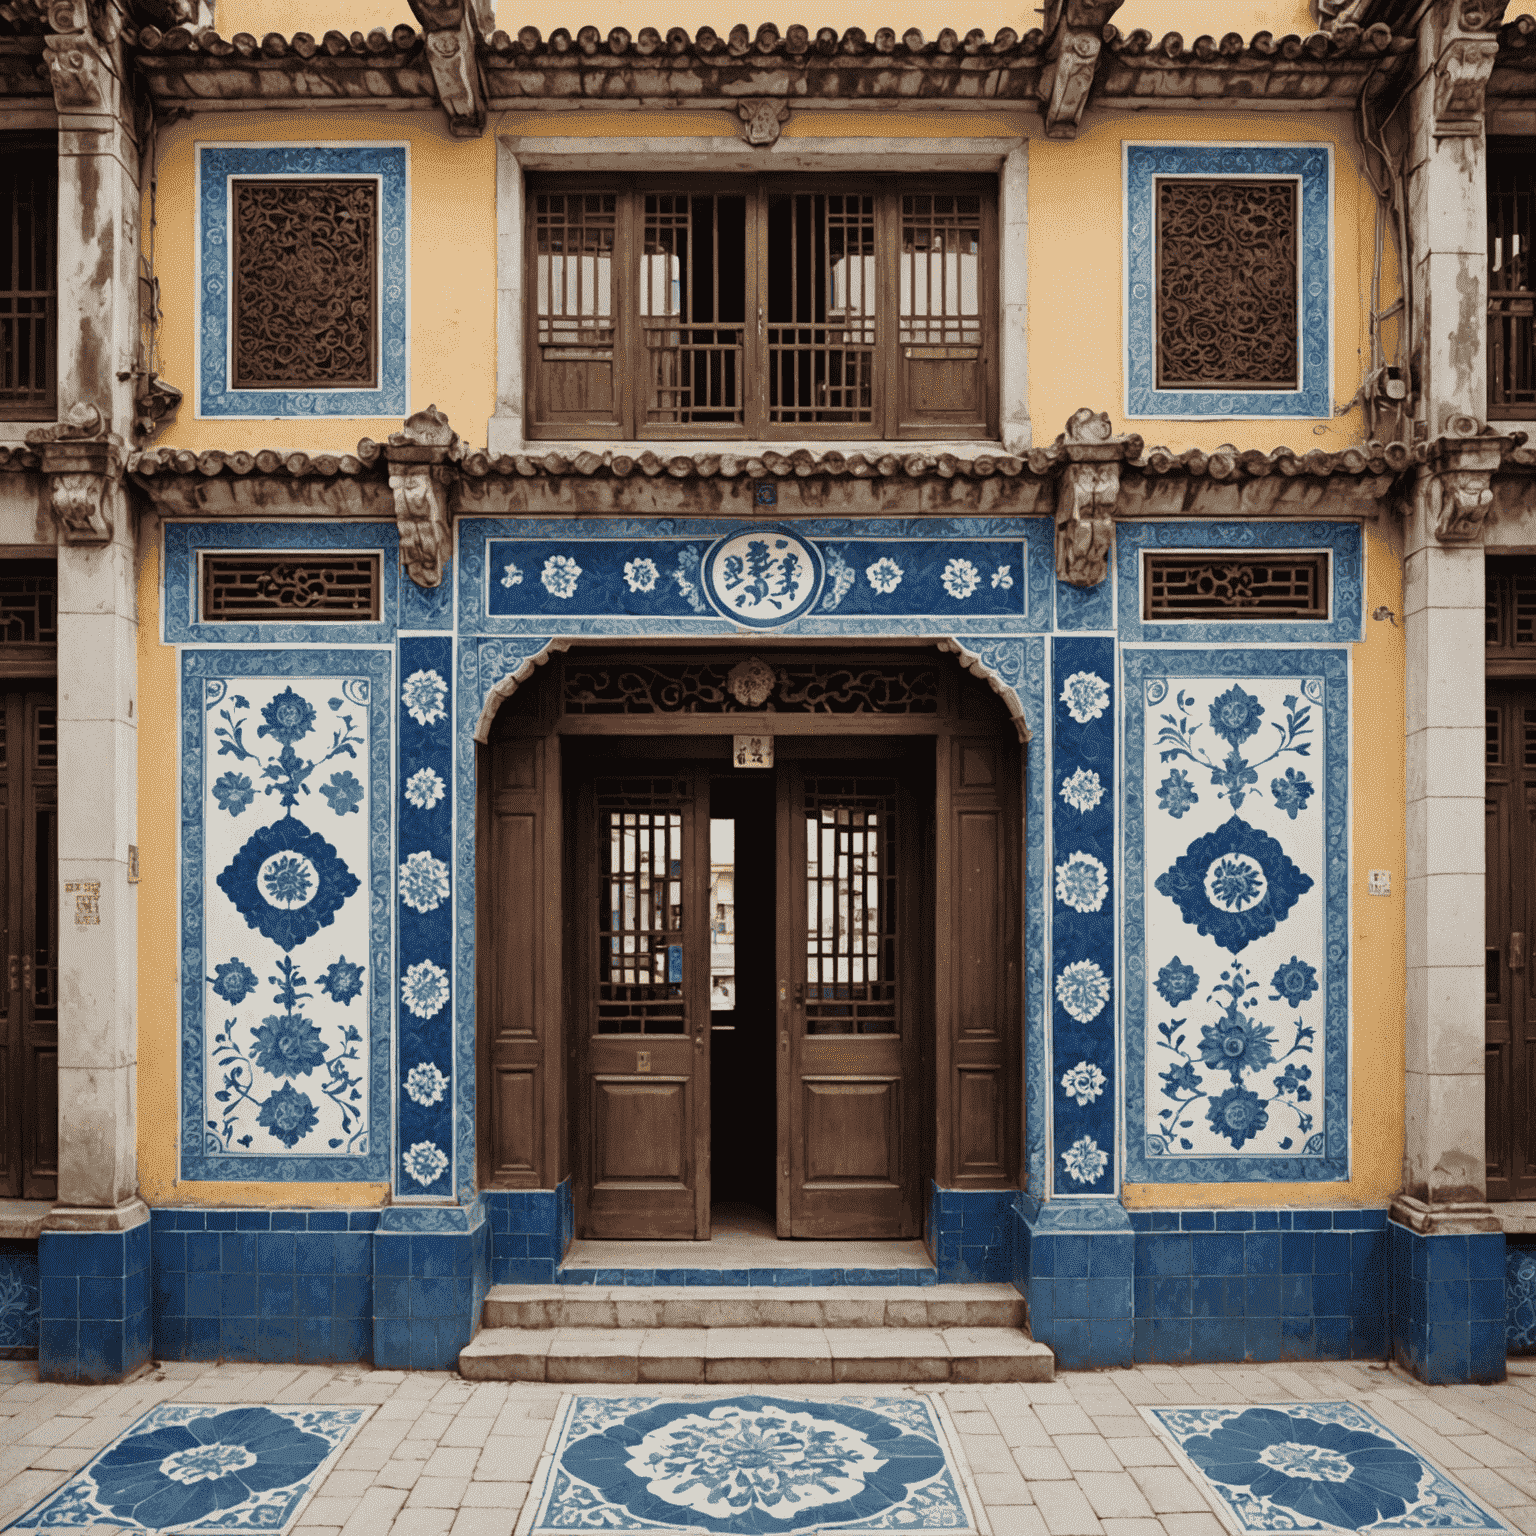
[1176, 794]
[1292, 792]
[234, 981]
[1345, 1477]
[1292, 1081]
[288, 1114]
[1237, 1114]
[234, 791]
[1235, 715]
[1243, 869]
[424, 1161]
[299, 915]
[287, 880]
[287, 718]
[1235, 1044]
[1176, 982]
[344, 792]
[342, 979]
[176, 1474]
[287, 1045]
[1295, 982]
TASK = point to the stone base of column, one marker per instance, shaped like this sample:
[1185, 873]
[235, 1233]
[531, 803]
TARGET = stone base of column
[1445, 1285]
[94, 1273]
[431, 1270]
[1075, 1262]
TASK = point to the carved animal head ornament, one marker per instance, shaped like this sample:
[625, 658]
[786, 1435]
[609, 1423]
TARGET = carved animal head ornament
[761, 120]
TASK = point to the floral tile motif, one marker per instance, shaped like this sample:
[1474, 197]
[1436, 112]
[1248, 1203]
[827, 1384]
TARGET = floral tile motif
[750, 1465]
[1327, 1467]
[1237, 882]
[203, 1467]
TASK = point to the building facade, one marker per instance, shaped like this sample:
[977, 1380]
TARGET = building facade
[509, 536]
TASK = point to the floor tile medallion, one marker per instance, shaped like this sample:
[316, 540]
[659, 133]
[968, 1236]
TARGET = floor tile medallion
[196, 1467]
[751, 1464]
[1315, 1467]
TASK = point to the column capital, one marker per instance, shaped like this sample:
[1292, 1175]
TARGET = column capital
[1455, 479]
[83, 461]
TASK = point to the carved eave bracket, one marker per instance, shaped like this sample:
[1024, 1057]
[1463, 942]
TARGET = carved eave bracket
[761, 121]
[419, 479]
[1075, 29]
[452, 54]
[1456, 479]
[1086, 494]
[84, 463]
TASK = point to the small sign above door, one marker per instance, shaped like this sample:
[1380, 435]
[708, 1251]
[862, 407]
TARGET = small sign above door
[753, 752]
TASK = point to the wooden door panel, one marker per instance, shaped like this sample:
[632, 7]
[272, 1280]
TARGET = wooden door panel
[980, 1145]
[519, 1120]
[852, 1131]
[640, 1132]
[978, 852]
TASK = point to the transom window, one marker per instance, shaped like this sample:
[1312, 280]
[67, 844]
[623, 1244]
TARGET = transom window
[1511, 279]
[762, 307]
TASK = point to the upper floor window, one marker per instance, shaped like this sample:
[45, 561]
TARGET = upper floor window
[1511, 279]
[28, 280]
[768, 307]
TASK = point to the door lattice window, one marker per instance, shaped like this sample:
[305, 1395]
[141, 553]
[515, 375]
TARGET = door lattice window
[850, 900]
[640, 921]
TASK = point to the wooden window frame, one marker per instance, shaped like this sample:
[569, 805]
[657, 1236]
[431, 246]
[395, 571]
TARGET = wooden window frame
[1320, 612]
[36, 403]
[209, 562]
[892, 419]
[1511, 310]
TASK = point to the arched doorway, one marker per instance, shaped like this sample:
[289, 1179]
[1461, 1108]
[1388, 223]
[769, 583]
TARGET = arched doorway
[750, 929]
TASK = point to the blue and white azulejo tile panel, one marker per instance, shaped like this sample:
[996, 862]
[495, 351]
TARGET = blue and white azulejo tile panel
[750, 1465]
[1236, 915]
[1083, 905]
[203, 1467]
[1327, 1467]
[424, 893]
[285, 875]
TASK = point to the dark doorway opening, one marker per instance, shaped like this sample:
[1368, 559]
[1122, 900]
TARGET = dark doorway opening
[743, 1074]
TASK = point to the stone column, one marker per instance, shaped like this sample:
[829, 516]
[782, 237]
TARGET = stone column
[96, 1327]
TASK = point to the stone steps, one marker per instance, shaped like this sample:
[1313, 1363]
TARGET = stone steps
[760, 1355]
[833, 1306]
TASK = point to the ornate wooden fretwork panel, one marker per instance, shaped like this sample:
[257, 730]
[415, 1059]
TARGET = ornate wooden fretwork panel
[29, 601]
[28, 281]
[1226, 283]
[305, 263]
[1207, 588]
[705, 688]
[256, 589]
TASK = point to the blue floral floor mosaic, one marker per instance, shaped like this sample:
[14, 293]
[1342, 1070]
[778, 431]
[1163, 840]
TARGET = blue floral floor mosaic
[751, 1465]
[202, 1467]
[1324, 1467]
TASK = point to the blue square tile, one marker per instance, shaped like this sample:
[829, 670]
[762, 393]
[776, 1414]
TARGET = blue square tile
[1165, 1221]
[1170, 1296]
[1111, 1340]
[1368, 1338]
[432, 1298]
[1141, 1339]
[362, 1221]
[237, 1338]
[1213, 1339]
[432, 1257]
[1331, 1253]
[1071, 1299]
[391, 1254]
[253, 1221]
[1141, 1296]
[1448, 1352]
[1311, 1221]
[1167, 1255]
[1296, 1295]
[1141, 1221]
[1171, 1340]
[1071, 1340]
[1234, 1221]
[1261, 1253]
[1071, 1256]
[1448, 1302]
[1109, 1296]
[1262, 1296]
[1217, 1254]
[1486, 1352]
[391, 1296]
[58, 1345]
[1296, 1253]
[238, 1295]
[1206, 1296]
[1447, 1258]
[1330, 1338]
[354, 1295]
[314, 1253]
[1041, 1297]
[1485, 1255]
[59, 1297]
[1266, 1221]
[203, 1253]
[1042, 1254]
[1296, 1337]
[275, 1296]
[1197, 1221]
[200, 1338]
[221, 1221]
[170, 1250]
[277, 1338]
[1234, 1296]
[352, 1338]
[327, 1221]
[1112, 1256]
[237, 1253]
[314, 1340]
[171, 1339]
[170, 1294]
[1486, 1299]
[274, 1253]
[289, 1221]
[1331, 1295]
[314, 1296]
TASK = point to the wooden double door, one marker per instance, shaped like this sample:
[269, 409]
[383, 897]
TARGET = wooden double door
[751, 994]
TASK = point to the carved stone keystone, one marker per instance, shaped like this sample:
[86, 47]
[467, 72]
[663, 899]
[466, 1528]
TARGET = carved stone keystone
[419, 478]
[1075, 33]
[761, 121]
[1086, 494]
[83, 462]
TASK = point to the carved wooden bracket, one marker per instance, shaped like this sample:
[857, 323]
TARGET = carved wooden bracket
[419, 480]
[1075, 29]
[450, 44]
[1086, 494]
[83, 461]
[761, 121]
[82, 78]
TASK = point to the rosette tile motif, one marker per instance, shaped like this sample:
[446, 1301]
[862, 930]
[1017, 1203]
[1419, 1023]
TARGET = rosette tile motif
[1328, 1467]
[750, 1465]
[204, 1467]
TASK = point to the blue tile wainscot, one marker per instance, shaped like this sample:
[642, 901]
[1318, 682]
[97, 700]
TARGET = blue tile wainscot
[95, 1293]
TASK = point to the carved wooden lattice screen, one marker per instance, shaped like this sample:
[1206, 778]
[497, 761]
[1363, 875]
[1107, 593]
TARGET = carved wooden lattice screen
[305, 265]
[28, 280]
[1511, 279]
[256, 589]
[756, 307]
[1276, 587]
[703, 688]
[1227, 283]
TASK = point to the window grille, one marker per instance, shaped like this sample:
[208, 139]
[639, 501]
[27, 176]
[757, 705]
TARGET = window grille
[305, 310]
[762, 307]
[29, 601]
[1209, 588]
[1510, 612]
[1226, 283]
[1511, 281]
[28, 277]
[255, 589]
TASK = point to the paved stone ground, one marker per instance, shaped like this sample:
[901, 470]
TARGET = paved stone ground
[446, 1457]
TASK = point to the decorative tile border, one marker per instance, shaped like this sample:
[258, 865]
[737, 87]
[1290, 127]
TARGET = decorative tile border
[203, 1467]
[1083, 902]
[1236, 915]
[424, 913]
[270, 907]
[1329, 1467]
[217, 164]
[183, 542]
[1312, 166]
[1344, 542]
[671, 1464]
[645, 577]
